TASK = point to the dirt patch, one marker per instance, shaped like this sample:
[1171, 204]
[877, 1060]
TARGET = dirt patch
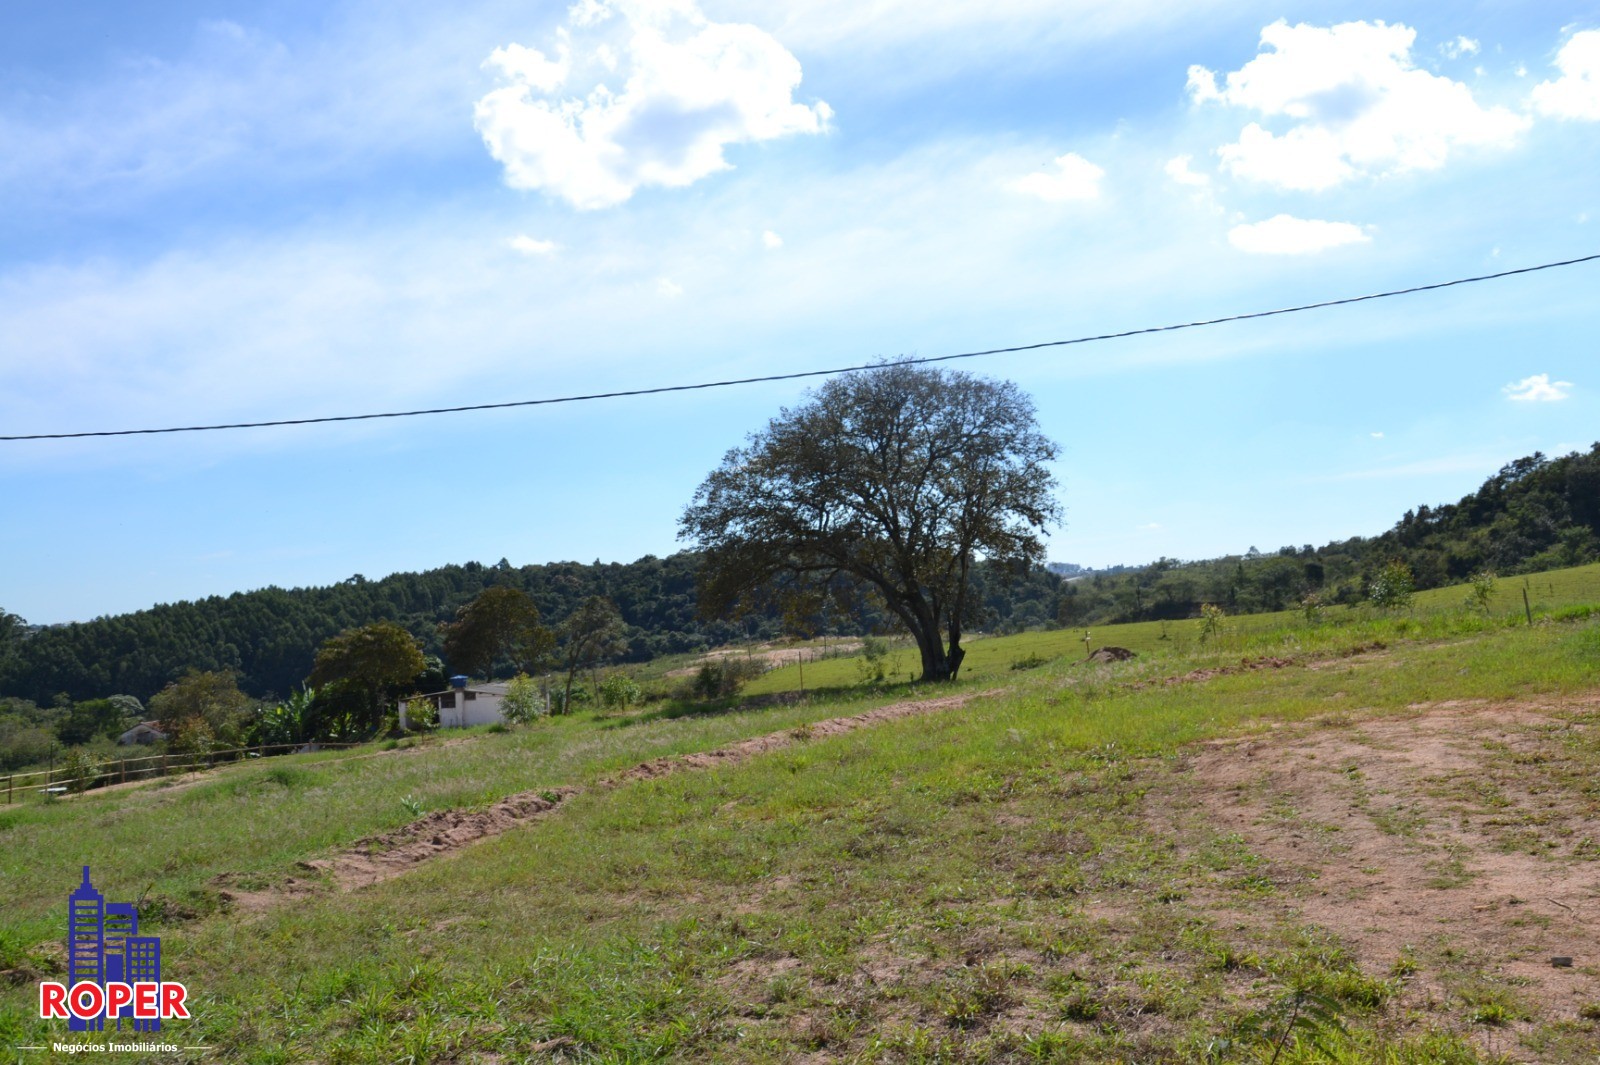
[773, 657]
[382, 857]
[1111, 654]
[1246, 665]
[1461, 835]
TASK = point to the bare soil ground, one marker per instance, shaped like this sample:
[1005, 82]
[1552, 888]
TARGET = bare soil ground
[774, 656]
[1459, 839]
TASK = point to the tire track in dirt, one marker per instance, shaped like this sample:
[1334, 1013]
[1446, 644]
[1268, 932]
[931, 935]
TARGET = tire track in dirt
[382, 857]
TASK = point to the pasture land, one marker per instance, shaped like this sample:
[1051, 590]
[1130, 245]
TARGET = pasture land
[1369, 835]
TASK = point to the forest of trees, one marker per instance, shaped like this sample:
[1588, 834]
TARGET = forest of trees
[1536, 513]
[270, 637]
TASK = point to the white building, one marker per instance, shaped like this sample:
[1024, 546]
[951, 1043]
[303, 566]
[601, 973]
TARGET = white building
[463, 705]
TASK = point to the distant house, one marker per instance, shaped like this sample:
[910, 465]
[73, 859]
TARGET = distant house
[462, 705]
[143, 732]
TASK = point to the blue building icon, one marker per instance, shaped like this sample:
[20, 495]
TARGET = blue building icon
[104, 946]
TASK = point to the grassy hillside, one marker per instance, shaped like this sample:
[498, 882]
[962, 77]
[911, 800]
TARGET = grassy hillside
[1436, 610]
[1040, 874]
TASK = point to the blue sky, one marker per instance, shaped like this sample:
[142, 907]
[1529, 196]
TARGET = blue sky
[227, 212]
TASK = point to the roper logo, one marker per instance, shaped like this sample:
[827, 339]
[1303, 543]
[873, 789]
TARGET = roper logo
[113, 973]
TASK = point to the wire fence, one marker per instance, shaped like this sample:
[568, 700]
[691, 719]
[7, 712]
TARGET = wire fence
[75, 776]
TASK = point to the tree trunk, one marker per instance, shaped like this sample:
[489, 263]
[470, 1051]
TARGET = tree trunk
[935, 664]
[923, 624]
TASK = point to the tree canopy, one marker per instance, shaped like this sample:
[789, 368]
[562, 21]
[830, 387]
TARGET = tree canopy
[374, 661]
[898, 478]
[203, 702]
[593, 633]
[501, 622]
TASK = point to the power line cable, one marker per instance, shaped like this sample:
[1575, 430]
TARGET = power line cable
[799, 375]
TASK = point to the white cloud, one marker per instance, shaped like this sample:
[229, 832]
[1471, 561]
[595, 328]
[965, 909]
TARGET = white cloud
[532, 67]
[1576, 94]
[1459, 47]
[1376, 436]
[1074, 178]
[1149, 526]
[588, 12]
[771, 239]
[1286, 235]
[530, 246]
[1178, 170]
[1353, 103]
[668, 287]
[1537, 389]
[692, 88]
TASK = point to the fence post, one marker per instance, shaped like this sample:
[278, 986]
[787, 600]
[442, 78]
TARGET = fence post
[163, 765]
[9, 781]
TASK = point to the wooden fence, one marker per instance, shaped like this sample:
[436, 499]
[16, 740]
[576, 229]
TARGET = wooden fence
[54, 781]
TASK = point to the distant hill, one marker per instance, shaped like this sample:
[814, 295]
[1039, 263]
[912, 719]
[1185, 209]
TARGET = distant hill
[270, 636]
[1536, 513]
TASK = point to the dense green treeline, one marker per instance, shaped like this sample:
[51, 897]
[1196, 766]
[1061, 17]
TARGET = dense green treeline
[1535, 513]
[269, 637]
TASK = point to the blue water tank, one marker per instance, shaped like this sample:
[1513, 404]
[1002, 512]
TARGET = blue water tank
[458, 681]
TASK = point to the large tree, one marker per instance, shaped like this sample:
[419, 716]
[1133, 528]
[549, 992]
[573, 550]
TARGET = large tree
[501, 622]
[206, 702]
[897, 478]
[374, 660]
[591, 634]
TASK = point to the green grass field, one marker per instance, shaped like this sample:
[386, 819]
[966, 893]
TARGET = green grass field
[1261, 633]
[982, 884]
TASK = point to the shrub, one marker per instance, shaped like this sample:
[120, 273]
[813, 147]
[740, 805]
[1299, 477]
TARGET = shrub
[723, 677]
[619, 690]
[287, 722]
[1481, 591]
[874, 660]
[1394, 588]
[523, 701]
[193, 736]
[1312, 608]
[558, 699]
[421, 715]
[1212, 621]
[82, 769]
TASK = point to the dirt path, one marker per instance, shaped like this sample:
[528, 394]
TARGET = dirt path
[1464, 835]
[773, 657]
[382, 857]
